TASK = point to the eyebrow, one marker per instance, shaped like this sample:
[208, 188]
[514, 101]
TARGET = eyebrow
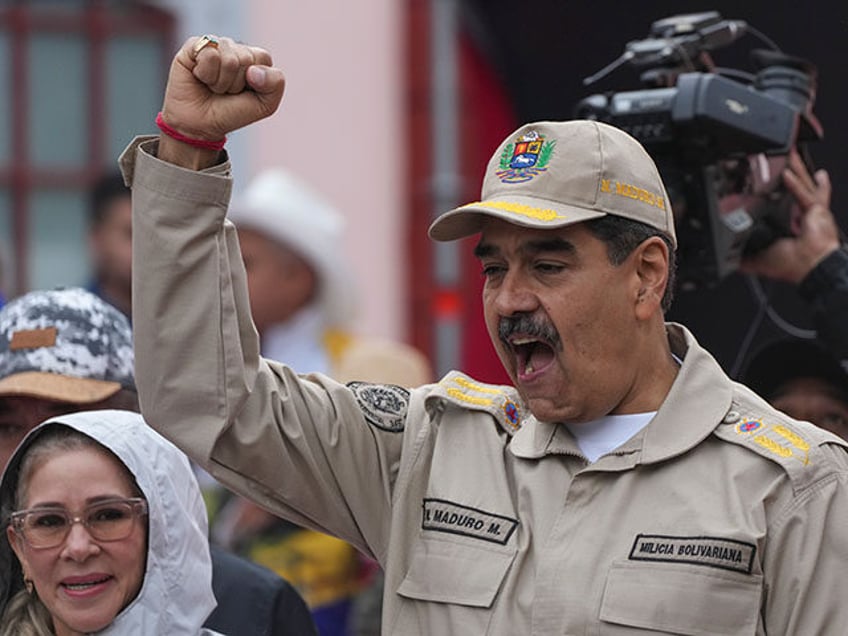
[482, 250]
[535, 246]
[91, 501]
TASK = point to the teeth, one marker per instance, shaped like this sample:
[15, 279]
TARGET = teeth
[82, 586]
[529, 367]
[523, 341]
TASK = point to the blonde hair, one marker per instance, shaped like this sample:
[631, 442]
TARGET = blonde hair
[26, 615]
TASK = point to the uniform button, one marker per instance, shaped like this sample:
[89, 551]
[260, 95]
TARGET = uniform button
[732, 417]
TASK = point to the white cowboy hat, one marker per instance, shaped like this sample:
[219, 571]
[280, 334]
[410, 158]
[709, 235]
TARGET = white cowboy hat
[284, 208]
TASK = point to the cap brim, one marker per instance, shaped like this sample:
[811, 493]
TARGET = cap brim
[59, 388]
[525, 211]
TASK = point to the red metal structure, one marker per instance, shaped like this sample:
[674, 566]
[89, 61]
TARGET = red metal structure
[484, 117]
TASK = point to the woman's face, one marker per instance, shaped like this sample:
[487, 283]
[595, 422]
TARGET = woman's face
[83, 582]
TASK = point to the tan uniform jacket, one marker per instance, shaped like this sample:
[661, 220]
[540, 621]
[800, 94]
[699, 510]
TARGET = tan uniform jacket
[723, 516]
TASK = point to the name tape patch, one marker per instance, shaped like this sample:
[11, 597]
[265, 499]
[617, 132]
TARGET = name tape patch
[727, 554]
[446, 516]
[33, 338]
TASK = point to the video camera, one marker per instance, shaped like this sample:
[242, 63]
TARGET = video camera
[720, 137]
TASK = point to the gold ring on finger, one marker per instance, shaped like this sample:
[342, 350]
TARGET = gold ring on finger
[203, 42]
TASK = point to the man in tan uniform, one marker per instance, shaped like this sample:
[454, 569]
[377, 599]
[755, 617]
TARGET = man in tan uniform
[625, 486]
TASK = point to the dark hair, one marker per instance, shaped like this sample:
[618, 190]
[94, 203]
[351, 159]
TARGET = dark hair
[124, 400]
[781, 361]
[105, 190]
[623, 235]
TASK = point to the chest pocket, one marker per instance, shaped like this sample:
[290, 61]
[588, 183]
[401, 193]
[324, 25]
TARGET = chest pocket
[455, 583]
[445, 571]
[687, 600]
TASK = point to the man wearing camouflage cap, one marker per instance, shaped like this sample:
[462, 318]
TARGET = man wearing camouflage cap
[625, 485]
[61, 350]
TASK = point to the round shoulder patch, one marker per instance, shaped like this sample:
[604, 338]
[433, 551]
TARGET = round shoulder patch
[383, 405]
[749, 426]
[512, 413]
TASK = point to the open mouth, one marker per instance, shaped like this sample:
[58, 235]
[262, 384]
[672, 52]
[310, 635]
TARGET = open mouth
[532, 356]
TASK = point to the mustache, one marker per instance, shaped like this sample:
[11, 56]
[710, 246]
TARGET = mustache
[528, 325]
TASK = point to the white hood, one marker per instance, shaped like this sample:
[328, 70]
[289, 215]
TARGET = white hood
[176, 596]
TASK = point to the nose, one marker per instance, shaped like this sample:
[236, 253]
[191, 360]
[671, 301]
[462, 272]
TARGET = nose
[514, 295]
[79, 544]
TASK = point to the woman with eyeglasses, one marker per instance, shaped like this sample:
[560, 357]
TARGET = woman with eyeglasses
[106, 532]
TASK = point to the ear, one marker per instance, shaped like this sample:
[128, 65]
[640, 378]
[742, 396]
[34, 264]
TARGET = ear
[17, 546]
[652, 270]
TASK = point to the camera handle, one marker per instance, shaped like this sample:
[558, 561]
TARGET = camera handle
[675, 45]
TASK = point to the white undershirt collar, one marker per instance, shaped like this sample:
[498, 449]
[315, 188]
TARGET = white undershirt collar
[601, 436]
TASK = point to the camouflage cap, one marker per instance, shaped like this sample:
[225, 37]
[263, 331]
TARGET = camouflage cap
[65, 345]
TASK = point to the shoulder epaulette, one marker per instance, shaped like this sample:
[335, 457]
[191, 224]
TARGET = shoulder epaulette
[792, 444]
[502, 402]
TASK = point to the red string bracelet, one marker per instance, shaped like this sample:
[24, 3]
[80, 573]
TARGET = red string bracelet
[197, 143]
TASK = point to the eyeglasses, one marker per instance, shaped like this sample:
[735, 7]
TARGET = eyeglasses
[48, 527]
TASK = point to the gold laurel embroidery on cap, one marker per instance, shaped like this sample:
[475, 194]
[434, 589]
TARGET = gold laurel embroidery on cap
[633, 192]
[541, 214]
[33, 338]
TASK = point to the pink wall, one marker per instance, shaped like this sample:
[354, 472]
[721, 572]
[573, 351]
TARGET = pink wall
[341, 129]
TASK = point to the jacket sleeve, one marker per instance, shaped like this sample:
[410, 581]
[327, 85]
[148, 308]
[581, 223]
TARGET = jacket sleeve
[826, 289]
[299, 446]
[806, 555]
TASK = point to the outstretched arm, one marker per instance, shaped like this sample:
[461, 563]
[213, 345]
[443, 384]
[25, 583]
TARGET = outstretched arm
[299, 446]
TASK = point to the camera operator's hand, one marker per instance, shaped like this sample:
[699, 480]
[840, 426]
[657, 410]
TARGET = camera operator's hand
[815, 228]
[215, 86]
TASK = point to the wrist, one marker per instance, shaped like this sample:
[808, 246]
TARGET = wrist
[186, 151]
[195, 141]
[184, 155]
[830, 273]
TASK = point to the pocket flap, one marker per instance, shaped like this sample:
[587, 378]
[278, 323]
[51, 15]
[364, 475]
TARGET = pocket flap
[681, 600]
[458, 573]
